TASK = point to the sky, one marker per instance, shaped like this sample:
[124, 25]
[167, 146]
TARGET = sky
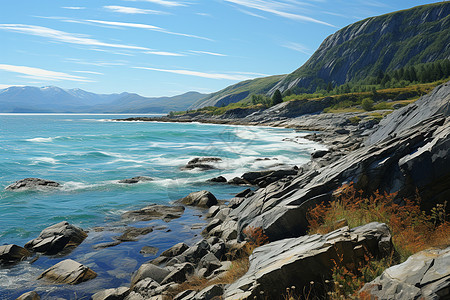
[167, 47]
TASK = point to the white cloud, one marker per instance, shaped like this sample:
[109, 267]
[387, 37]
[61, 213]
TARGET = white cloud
[164, 53]
[143, 26]
[42, 74]
[298, 47]
[64, 37]
[132, 10]
[89, 72]
[74, 7]
[207, 52]
[201, 74]
[163, 2]
[278, 8]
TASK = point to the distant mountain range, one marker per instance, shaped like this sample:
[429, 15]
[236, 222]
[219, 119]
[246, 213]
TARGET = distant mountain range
[383, 43]
[27, 99]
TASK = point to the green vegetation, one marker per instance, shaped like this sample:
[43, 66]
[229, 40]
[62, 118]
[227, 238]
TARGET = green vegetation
[277, 98]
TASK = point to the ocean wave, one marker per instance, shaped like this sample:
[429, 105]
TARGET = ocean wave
[41, 140]
[48, 160]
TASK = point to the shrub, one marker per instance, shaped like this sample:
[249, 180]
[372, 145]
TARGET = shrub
[412, 230]
[367, 104]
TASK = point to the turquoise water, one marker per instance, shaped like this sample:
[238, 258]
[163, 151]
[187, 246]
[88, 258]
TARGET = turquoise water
[88, 154]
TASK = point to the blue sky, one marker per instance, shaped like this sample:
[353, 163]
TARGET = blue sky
[167, 47]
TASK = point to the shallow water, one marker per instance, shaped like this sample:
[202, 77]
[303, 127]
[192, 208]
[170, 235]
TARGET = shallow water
[88, 154]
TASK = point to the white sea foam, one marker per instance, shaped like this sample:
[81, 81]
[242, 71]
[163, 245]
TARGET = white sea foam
[41, 140]
[48, 160]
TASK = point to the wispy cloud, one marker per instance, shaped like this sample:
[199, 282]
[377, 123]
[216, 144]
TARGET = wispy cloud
[164, 53]
[252, 14]
[74, 7]
[96, 63]
[281, 9]
[42, 74]
[207, 52]
[298, 47]
[163, 2]
[132, 10]
[143, 26]
[201, 74]
[64, 37]
[89, 72]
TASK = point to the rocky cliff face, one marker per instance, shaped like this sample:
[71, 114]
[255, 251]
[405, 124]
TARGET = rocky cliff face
[387, 42]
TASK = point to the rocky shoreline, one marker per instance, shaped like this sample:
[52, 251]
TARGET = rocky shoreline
[407, 153]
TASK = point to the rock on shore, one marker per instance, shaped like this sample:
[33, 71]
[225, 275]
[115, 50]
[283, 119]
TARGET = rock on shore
[57, 238]
[425, 275]
[69, 272]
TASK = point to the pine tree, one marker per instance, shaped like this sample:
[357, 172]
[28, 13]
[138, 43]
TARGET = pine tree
[277, 98]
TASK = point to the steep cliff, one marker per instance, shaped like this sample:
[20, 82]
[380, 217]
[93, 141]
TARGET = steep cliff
[384, 43]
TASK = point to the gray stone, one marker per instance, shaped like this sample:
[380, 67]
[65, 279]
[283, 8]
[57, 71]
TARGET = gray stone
[209, 292]
[196, 252]
[175, 250]
[202, 163]
[69, 272]
[201, 199]
[56, 238]
[319, 153]
[424, 275]
[112, 294]
[149, 271]
[132, 233]
[212, 211]
[219, 179]
[32, 184]
[185, 295]
[298, 261]
[154, 212]
[29, 296]
[136, 179]
[12, 253]
[149, 250]
[179, 274]
[146, 287]
[210, 262]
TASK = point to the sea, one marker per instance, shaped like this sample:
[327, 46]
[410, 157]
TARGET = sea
[88, 154]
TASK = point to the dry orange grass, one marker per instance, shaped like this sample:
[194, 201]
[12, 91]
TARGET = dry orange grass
[412, 231]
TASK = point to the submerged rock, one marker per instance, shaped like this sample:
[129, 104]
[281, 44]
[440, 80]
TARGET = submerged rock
[32, 184]
[56, 238]
[29, 296]
[202, 163]
[136, 179]
[69, 272]
[154, 212]
[424, 275]
[218, 179]
[200, 199]
[12, 253]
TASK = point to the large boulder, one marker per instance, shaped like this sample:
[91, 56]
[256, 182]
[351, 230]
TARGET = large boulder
[56, 238]
[69, 272]
[437, 102]
[200, 199]
[149, 271]
[12, 253]
[32, 184]
[154, 212]
[418, 159]
[424, 275]
[298, 261]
